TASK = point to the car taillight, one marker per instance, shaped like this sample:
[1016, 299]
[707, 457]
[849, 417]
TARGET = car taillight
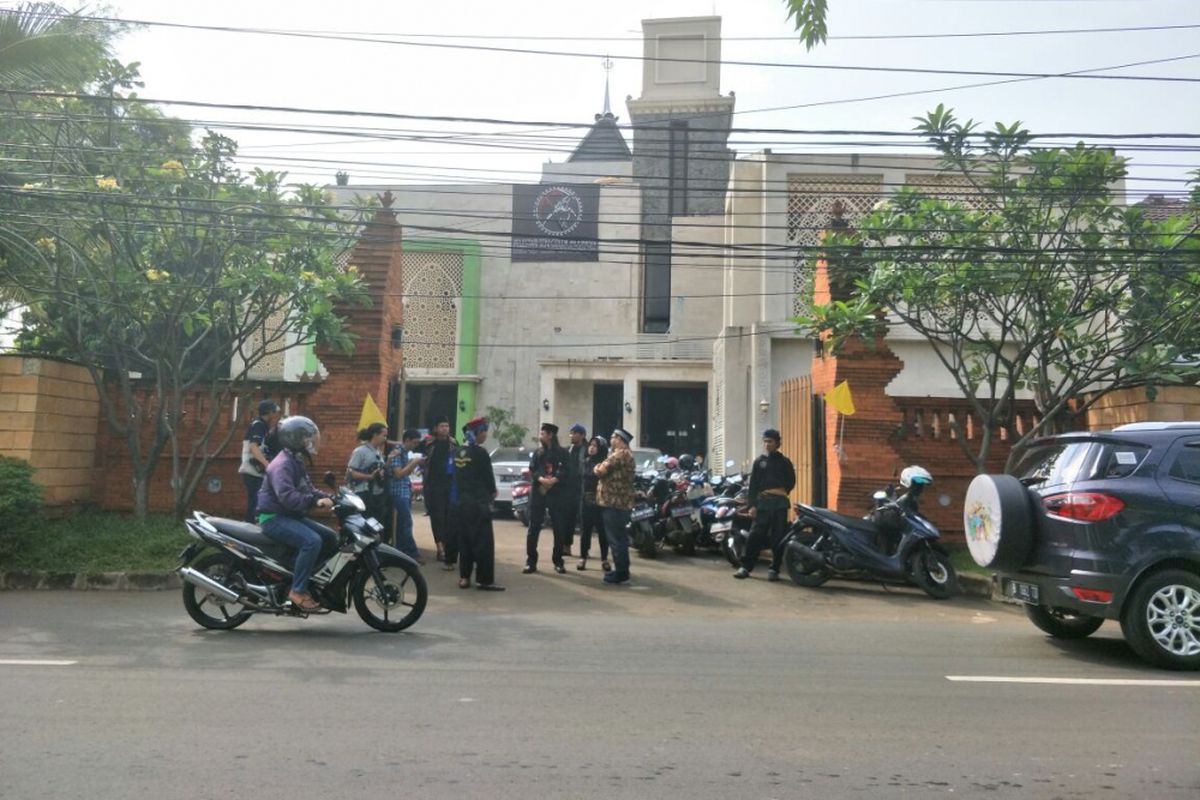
[1092, 595]
[1083, 506]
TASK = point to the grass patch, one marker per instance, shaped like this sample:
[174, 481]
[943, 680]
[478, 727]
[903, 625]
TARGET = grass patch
[102, 542]
[960, 557]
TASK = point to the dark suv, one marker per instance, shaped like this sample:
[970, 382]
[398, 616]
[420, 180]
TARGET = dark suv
[1110, 529]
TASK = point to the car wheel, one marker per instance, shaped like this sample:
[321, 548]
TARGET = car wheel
[1161, 620]
[999, 522]
[1061, 623]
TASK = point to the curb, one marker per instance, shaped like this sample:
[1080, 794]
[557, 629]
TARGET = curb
[86, 581]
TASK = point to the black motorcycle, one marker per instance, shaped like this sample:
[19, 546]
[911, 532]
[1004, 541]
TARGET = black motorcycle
[895, 544]
[243, 573]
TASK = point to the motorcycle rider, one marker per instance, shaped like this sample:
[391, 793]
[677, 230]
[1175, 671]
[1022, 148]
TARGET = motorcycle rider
[286, 496]
[771, 479]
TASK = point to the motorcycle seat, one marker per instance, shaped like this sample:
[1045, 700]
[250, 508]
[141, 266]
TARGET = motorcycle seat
[244, 532]
[854, 523]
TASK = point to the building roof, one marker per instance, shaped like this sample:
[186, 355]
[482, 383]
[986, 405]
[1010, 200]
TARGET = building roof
[603, 142]
[1160, 208]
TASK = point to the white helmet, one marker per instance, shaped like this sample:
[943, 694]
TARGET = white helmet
[915, 475]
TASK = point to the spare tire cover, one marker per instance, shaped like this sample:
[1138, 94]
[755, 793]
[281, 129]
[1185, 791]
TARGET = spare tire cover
[998, 521]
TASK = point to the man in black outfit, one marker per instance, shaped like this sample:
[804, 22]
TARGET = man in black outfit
[471, 500]
[437, 492]
[771, 479]
[547, 469]
[576, 454]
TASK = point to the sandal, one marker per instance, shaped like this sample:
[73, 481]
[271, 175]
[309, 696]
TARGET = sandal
[303, 602]
[464, 583]
[582, 565]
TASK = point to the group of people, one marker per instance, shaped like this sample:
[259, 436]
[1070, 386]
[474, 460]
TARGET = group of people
[590, 482]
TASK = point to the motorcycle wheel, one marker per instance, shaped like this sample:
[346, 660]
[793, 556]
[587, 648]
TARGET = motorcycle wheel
[935, 574]
[399, 603]
[198, 602]
[523, 516]
[734, 547]
[802, 572]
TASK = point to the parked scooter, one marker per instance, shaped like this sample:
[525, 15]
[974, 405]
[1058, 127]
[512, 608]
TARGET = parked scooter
[894, 544]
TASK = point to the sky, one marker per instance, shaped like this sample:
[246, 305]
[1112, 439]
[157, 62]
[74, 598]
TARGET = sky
[424, 68]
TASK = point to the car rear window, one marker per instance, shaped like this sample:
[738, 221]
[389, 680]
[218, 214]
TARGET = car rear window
[1069, 462]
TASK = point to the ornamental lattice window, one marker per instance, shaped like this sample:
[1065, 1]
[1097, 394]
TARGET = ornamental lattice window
[432, 303]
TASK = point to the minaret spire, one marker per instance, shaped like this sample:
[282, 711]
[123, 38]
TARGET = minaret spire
[608, 65]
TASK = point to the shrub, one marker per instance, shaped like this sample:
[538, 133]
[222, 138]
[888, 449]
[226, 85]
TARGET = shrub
[20, 501]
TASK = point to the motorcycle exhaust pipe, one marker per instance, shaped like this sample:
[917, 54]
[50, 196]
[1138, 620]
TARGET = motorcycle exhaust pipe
[197, 578]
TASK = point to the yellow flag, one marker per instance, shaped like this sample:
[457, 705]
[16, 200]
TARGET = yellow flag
[840, 398]
[370, 413]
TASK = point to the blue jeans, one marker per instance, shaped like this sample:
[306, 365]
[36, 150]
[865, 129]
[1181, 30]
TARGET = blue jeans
[405, 542]
[616, 527]
[308, 538]
[253, 483]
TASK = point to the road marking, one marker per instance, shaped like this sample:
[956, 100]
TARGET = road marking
[17, 662]
[1072, 681]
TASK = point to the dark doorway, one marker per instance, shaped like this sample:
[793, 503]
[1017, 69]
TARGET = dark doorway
[607, 411]
[675, 419]
[425, 402]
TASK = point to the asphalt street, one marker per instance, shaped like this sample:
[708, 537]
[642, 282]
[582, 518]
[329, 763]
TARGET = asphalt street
[684, 684]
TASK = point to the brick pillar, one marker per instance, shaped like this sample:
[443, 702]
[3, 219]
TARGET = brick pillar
[870, 460]
[374, 364]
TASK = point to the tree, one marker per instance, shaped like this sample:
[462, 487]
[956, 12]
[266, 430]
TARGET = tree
[508, 432]
[810, 16]
[156, 264]
[44, 46]
[1033, 278]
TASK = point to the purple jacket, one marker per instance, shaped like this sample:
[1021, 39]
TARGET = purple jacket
[287, 489]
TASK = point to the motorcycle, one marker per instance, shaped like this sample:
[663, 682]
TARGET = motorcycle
[644, 528]
[823, 544]
[233, 571]
[521, 490]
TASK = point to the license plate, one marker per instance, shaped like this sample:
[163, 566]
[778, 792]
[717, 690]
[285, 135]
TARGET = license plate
[1019, 590]
[644, 513]
[375, 525]
[721, 527]
[682, 511]
[520, 501]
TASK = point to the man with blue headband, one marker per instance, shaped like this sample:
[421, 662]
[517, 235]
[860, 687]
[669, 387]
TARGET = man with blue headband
[471, 497]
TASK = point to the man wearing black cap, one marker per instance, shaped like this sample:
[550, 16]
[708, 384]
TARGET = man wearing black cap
[771, 479]
[548, 470]
[256, 454]
[576, 455]
[437, 492]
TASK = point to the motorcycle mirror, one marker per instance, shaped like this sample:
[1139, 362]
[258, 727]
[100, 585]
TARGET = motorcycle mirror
[330, 479]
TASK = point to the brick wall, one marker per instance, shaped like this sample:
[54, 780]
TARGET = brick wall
[1170, 404]
[337, 404]
[48, 415]
[112, 477]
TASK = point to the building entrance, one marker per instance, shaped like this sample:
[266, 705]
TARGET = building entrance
[425, 402]
[675, 418]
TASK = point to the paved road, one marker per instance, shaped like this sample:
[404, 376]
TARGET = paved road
[686, 684]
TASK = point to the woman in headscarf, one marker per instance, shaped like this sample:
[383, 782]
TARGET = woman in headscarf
[592, 519]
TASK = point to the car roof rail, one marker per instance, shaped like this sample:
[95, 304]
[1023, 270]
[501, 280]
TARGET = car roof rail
[1156, 426]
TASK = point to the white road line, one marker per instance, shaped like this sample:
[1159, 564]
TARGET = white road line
[19, 662]
[1072, 681]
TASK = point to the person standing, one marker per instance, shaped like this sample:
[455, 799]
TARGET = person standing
[438, 456]
[615, 496]
[547, 468]
[366, 473]
[402, 463]
[471, 502]
[591, 517]
[576, 455]
[771, 479]
[256, 454]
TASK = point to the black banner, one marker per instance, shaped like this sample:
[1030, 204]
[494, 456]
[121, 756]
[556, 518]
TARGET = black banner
[555, 222]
